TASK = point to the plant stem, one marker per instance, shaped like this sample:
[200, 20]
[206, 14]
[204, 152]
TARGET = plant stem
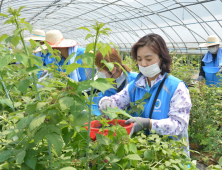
[6, 91]
[30, 64]
[50, 155]
[90, 104]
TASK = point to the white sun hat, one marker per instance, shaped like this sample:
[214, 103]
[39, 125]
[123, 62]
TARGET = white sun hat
[211, 40]
[37, 35]
[55, 39]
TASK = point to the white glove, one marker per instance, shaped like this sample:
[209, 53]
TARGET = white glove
[103, 106]
[200, 78]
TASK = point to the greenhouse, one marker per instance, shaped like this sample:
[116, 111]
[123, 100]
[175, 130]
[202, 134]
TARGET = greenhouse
[110, 84]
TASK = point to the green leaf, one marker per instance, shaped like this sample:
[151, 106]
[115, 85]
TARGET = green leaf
[28, 26]
[111, 115]
[120, 152]
[5, 60]
[133, 147]
[23, 85]
[89, 47]
[115, 159]
[117, 49]
[3, 15]
[66, 102]
[20, 8]
[80, 118]
[20, 157]
[176, 167]
[109, 65]
[133, 157]
[49, 48]
[3, 36]
[87, 58]
[40, 134]
[89, 36]
[121, 67]
[78, 106]
[36, 122]
[33, 43]
[15, 40]
[31, 108]
[31, 159]
[167, 163]
[40, 105]
[8, 21]
[25, 121]
[52, 128]
[84, 85]
[83, 28]
[67, 60]
[68, 168]
[5, 155]
[104, 48]
[149, 154]
[17, 32]
[71, 67]
[32, 69]
[38, 60]
[7, 102]
[56, 140]
[101, 84]
[117, 111]
[67, 134]
[22, 58]
[103, 139]
[220, 161]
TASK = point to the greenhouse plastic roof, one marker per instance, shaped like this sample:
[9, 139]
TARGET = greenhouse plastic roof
[184, 24]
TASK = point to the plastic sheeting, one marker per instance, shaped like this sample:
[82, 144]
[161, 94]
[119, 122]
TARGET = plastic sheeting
[184, 24]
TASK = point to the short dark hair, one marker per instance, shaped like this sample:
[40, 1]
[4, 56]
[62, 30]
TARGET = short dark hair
[158, 45]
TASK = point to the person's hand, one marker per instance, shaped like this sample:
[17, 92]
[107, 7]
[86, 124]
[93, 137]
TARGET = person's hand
[103, 106]
[200, 78]
[137, 122]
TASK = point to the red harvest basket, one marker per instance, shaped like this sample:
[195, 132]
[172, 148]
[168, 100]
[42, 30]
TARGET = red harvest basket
[95, 124]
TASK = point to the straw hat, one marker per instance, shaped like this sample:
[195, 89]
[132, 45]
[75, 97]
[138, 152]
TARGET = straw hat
[211, 40]
[37, 35]
[55, 39]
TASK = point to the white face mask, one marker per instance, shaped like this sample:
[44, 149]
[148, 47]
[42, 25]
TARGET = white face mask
[101, 75]
[150, 71]
[213, 49]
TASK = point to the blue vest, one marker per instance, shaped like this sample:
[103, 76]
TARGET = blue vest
[82, 71]
[161, 108]
[40, 54]
[211, 78]
[131, 76]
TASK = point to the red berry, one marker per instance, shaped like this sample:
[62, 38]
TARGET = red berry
[105, 160]
[24, 113]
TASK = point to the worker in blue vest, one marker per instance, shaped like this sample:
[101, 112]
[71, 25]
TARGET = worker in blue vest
[66, 47]
[171, 111]
[121, 78]
[213, 58]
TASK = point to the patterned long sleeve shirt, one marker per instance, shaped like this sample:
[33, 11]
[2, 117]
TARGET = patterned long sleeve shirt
[179, 111]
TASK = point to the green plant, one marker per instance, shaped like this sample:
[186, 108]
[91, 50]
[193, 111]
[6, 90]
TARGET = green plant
[132, 64]
[205, 119]
[39, 132]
